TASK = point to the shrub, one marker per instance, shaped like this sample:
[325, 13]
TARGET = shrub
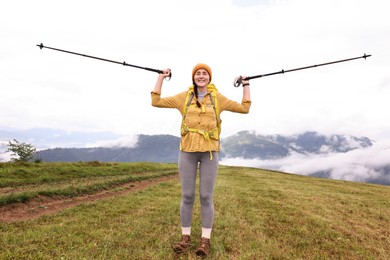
[24, 152]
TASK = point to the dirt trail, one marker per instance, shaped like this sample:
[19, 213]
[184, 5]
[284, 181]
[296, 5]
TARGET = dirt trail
[45, 205]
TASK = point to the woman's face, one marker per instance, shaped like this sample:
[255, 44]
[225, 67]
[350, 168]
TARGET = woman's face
[202, 78]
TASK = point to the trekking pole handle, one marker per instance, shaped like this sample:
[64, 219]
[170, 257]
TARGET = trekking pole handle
[170, 75]
[238, 81]
[168, 78]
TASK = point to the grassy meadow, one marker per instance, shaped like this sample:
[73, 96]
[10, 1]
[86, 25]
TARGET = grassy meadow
[259, 214]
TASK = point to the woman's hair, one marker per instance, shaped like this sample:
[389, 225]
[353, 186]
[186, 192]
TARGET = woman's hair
[196, 94]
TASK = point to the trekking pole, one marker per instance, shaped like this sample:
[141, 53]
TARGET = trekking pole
[238, 80]
[41, 46]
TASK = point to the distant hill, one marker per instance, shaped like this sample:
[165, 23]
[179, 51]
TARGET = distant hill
[149, 148]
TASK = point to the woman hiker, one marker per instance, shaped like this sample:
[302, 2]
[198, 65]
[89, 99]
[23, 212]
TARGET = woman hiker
[200, 107]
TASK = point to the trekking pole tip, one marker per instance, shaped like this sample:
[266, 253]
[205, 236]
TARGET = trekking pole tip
[40, 46]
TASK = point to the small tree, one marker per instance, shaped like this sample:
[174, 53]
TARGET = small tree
[24, 152]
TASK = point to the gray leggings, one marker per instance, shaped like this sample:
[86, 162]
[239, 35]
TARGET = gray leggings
[188, 165]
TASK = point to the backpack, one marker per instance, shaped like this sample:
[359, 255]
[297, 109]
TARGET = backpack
[214, 133]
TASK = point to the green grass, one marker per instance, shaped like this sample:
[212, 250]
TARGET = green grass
[259, 214]
[22, 182]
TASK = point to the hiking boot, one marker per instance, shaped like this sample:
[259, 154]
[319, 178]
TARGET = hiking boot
[183, 246]
[204, 248]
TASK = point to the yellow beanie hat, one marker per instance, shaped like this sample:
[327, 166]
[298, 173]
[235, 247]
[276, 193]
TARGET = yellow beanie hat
[202, 66]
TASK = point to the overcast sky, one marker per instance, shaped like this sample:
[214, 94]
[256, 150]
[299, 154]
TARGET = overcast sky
[45, 88]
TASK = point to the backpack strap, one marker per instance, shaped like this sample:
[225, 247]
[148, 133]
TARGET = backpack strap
[187, 103]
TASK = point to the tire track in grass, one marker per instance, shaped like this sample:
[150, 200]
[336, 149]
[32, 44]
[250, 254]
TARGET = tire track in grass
[44, 205]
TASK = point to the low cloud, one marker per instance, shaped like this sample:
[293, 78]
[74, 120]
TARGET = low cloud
[362, 165]
[4, 156]
[121, 142]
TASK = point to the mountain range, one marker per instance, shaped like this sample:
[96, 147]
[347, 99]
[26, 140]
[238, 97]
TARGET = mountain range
[249, 145]
[336, 156]
[244, 144]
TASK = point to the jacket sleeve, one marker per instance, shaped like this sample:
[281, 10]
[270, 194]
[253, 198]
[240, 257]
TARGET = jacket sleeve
[168, 102]
[233, 106]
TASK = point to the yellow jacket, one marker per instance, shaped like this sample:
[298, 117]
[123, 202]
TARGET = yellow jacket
[199, 119]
